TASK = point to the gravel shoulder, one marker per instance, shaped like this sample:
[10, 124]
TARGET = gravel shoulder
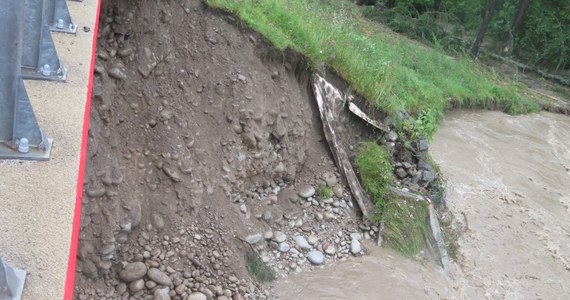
[38, 198]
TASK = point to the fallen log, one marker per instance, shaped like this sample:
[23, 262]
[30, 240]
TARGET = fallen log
[329, 100]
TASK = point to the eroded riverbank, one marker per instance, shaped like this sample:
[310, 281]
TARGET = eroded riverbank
[510, 177]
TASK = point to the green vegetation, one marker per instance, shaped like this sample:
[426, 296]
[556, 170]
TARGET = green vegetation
[393, 73]
[541, 38]
[258, 269]
[325, 192]
[406, 223]
[373, 163]
[406, 226]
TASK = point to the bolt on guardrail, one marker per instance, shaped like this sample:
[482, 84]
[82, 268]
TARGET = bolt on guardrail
[58, 17]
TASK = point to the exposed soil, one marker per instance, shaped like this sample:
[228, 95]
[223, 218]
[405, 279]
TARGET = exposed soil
[202, 140]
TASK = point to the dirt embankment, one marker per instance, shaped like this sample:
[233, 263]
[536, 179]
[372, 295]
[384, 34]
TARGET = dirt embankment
[204, 145]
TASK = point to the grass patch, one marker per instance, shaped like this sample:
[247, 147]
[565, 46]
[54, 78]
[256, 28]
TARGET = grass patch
[373, 163]
[406, 222]
[258, 269]
[325, 192]
[392, 72]
[406, 226]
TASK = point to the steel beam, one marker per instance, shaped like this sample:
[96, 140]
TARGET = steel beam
[11, 282]
[58, 17]
[17, 120]
[39, 56]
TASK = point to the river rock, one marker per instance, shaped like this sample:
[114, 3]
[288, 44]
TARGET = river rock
[423, 146]
[133, 271]
[401, 173]
[254, 238]
[117, 73]
[313, 239]
[328, 216]
[279, 236]
[283, 247]
[316, 257]
[302, 243]
[157, 221]
[307, 191]
[136, 285]
[428, 176]
[197, 296]
[330, 250]
[121, 288]
[355, 247]
[161, 294]
[392, 136]
[330, 179]
[268, 235]
[337, 190]
[356, 236]
[159, 277]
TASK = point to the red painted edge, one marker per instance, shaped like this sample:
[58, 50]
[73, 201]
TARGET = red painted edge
[72, 259]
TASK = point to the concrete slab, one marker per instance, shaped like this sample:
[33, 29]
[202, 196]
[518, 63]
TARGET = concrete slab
[38, 199]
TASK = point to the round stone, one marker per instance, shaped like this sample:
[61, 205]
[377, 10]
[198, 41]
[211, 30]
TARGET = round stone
[302, 243]
[197, 296]
[313, 239]
[133, 271]
[136, 285]
[279, 236]
[356, 236]
[253, 238]
[159, 277]
[330, 250]
[316, 257]
[268, 235]
[306, 191]
[355, 247]
[283, 247]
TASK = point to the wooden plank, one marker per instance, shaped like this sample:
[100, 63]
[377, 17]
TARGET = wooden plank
[361, 114]
[329, 99]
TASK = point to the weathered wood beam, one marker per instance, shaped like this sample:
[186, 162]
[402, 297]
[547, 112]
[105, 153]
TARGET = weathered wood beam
[329, 100]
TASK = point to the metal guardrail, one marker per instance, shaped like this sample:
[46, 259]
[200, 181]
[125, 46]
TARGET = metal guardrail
[39, 56]
[27, 51]
[11, 282]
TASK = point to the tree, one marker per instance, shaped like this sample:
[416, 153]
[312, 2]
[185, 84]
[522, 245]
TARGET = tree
[436, 5]
[390, 3]
[517, 22]
[491, 7]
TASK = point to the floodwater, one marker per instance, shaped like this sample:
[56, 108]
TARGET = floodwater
[508, 186]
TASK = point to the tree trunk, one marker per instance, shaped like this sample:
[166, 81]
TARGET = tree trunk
[491, 6]
[436, 5]
[517, 22]
[390, 3]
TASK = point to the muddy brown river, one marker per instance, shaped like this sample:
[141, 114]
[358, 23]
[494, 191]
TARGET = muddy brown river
[508, 185]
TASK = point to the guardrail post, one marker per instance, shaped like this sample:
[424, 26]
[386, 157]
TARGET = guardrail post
[11, 282]
[39, 57]
[20, 134]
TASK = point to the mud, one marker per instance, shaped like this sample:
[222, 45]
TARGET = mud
[201, 138]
